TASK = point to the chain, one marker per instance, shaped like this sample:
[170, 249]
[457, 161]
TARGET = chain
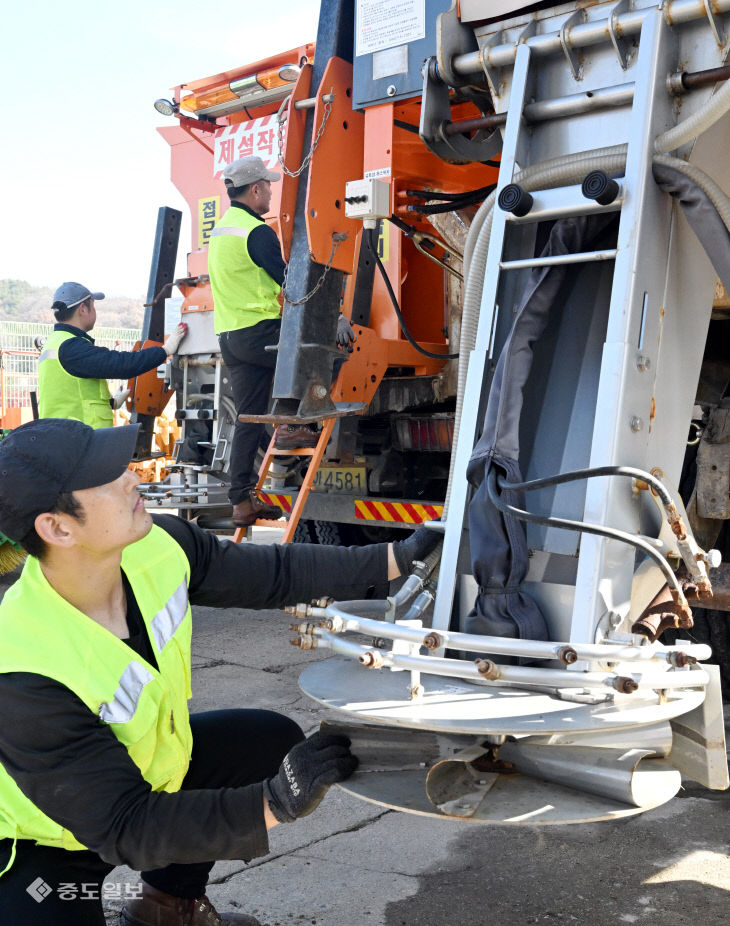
[337, 239]
[281, 119]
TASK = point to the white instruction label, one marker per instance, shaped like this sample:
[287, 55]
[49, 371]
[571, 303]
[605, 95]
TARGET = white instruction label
[386, 23]
[379, 172]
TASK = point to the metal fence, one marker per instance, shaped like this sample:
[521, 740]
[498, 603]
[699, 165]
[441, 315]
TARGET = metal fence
[19, 357]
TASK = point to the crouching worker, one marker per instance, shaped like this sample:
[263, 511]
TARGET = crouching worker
[100, 762]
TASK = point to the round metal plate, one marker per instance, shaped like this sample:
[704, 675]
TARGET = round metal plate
[449, 705]
[514, 799]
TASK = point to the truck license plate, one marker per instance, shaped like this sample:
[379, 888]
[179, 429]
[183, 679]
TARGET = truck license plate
[340, 479]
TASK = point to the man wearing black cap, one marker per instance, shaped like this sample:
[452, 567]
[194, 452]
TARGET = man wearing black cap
[72, 370]
[246, 275]
[100, 762]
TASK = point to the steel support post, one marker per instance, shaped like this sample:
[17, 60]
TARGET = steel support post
[308, 330]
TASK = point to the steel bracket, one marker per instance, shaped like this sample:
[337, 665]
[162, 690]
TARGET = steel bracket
[436, 115]
[453, 39]
[620, 44]
[493, 75]
[575, 61]
[715, 24]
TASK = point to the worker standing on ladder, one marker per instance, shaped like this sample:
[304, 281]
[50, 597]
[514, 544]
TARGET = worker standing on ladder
[100, 762]
[246, 275]
[73, 371]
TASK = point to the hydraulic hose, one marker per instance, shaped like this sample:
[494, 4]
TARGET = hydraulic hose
[434, 208]
[699, 122]
[717, 197]
[482, 192]
[364, 606]
[396, 308]
[583, 527]
[589, 473]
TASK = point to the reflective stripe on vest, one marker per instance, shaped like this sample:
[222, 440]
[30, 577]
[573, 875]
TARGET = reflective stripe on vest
[243, 293]
[126, 698]
[168, 619]
[231, 230]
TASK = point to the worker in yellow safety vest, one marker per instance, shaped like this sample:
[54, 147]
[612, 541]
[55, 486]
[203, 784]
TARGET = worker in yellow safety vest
[246, 276]
[73, 371]
[100, 762]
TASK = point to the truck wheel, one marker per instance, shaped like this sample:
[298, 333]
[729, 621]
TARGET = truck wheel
[327, 532]
[303, 532]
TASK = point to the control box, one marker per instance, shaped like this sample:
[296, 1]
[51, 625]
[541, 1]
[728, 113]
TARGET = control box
[367, 199]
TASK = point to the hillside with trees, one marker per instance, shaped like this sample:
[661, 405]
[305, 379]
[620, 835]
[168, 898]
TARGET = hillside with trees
[21, 302]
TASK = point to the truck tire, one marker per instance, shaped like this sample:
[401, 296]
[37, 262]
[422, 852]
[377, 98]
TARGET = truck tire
[328, 533]
[303, 533]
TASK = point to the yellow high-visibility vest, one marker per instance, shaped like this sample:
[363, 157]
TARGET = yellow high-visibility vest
[243, 293]
[145, 707]
[61, 395]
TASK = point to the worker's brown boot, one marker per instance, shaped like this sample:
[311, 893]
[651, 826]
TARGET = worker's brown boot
[252, 508]
[292, 437]
[154, 908]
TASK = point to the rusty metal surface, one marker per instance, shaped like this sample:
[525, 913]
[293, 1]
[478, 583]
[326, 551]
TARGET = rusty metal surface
[713, 467]
[720, 579]
[341, 410]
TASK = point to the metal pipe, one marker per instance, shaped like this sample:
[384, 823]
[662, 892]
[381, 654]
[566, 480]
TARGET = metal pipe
[581, 35]
[616, 774]
[184, 490]
[503, 646]
[211, 362]
[585, 258]
[692, 79]
[554, 678]
[366, 606]
[559, 108]
[311, 101]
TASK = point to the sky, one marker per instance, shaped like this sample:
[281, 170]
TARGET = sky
[83, 170]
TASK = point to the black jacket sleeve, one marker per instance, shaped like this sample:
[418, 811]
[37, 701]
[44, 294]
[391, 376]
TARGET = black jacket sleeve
[81, 358]
[224, 574]
[264, 249]
[79, 774]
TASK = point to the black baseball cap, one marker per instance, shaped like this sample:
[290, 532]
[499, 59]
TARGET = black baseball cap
[42, 459]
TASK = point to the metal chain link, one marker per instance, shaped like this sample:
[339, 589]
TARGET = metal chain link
[281, 119]
[337, 239]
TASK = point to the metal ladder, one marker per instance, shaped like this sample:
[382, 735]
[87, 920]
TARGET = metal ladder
[625, 389]
[315, 454]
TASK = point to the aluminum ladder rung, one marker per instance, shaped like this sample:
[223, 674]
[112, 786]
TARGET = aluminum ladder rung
[585, 257]
[562, 202]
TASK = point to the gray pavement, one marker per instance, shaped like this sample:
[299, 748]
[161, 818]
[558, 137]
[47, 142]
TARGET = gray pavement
[357, 864]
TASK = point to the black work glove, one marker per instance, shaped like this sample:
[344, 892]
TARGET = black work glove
[306, 774]
[345, 334]
[416, 547]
